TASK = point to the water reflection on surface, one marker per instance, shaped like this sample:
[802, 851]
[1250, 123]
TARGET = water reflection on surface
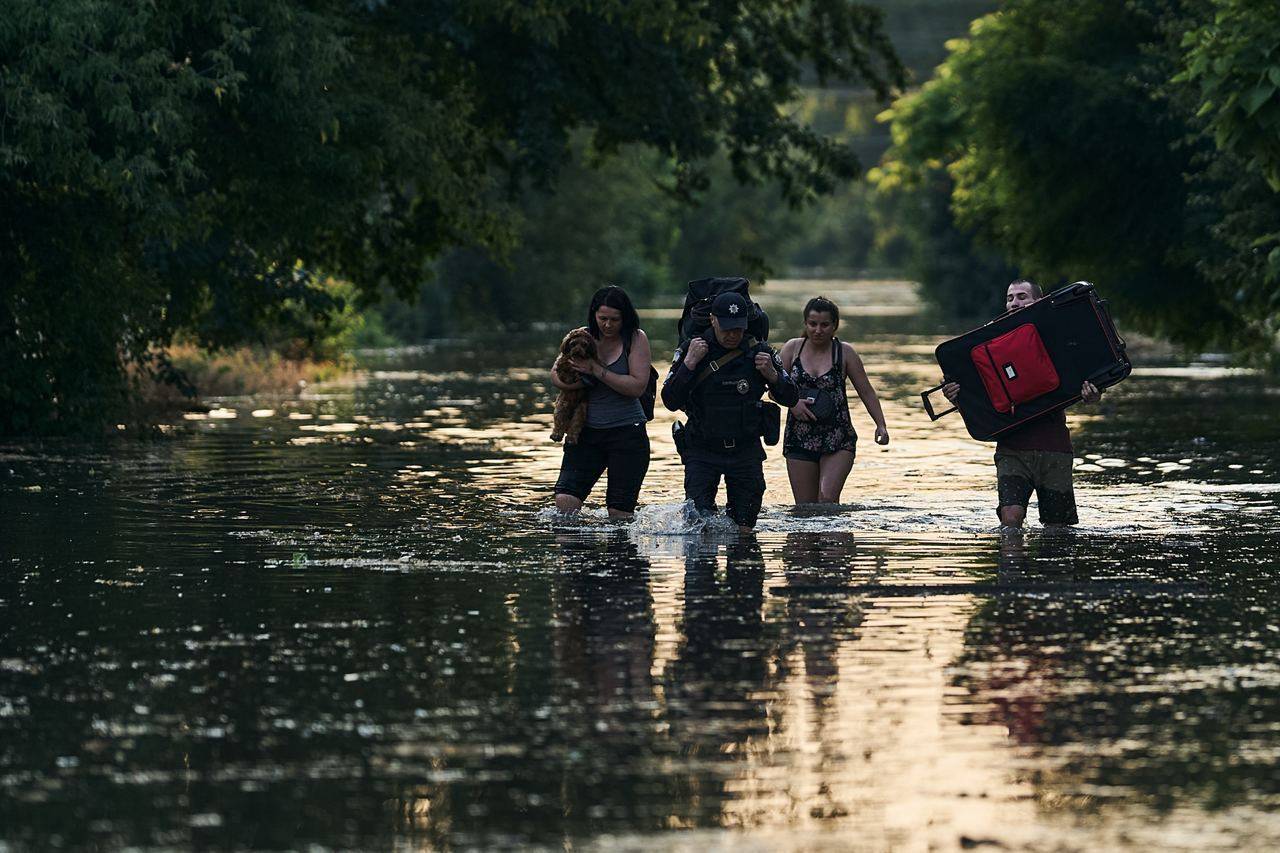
[351, 621]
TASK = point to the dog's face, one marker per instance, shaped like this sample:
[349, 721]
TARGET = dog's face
[579, 344]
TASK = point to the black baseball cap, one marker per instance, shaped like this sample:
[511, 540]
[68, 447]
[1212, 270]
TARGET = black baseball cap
[731, 310]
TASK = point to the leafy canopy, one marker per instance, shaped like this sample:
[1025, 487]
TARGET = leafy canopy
[1073, 145]
[197, 168]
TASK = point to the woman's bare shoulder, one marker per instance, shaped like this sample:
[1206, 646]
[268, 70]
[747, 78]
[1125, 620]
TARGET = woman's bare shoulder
[851, 357]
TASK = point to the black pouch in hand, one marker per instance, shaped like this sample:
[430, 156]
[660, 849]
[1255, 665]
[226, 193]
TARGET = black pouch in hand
[823, 406]
[770, 422]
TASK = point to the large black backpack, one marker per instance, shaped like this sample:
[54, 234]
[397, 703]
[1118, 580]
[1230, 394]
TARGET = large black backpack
[696, 317]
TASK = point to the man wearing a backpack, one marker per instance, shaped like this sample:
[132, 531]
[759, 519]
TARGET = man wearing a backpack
[1038, 456]
[719, 379]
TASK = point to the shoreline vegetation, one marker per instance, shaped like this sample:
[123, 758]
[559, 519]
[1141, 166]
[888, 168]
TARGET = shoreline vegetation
[288, 371]
[238, 372]
[285, 368]
[202, 172]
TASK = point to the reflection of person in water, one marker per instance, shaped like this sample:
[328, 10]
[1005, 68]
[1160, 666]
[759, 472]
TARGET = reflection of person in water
[820, 613]
[823, 611]
[606, 617]
[603, 661]
[714, 687]
[1020, 637]
[1117, 655]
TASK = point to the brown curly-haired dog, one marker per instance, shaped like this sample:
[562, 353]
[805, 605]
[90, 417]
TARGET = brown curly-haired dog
[571, 406]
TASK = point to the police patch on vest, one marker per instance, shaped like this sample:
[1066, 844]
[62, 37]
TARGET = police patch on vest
[743, 386]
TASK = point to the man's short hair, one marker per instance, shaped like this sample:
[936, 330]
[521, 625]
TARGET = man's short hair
[1036, 292]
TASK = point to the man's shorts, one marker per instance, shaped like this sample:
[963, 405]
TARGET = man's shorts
[1047, 473]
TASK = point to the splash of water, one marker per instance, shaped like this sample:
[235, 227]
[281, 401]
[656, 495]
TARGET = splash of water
[679, 519]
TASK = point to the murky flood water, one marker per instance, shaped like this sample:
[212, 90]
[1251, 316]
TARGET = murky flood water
[351, 621]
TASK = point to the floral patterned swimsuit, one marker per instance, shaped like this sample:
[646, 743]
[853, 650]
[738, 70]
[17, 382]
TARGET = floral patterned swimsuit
[820, 438]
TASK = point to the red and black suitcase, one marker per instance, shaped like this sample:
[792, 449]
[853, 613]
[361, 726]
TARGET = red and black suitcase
[1030, 362]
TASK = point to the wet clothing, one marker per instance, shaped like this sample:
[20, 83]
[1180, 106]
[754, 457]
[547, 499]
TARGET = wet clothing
[1037, 457]
[743, 481]
[1047, 473]
[623, 450]
[724, 427]
[809, 441]
[614, 438]
[1048, 433]
[606, 408]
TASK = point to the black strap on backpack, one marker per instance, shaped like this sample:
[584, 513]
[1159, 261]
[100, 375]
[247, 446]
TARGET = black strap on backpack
[822, 398]
[837, 359]
[749, 344]
[650, 395]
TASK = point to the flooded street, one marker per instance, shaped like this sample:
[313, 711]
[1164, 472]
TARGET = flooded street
[351, 620]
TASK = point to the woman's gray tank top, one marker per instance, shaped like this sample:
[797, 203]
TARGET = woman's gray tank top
[606, 408]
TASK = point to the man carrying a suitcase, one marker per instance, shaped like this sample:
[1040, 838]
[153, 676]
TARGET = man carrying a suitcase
[1037, 456]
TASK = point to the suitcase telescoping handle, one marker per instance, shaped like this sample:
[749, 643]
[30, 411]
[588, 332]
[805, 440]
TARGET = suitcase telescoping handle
[1109, 375]
[928, 407]
[1112, 331]
[1073, 292]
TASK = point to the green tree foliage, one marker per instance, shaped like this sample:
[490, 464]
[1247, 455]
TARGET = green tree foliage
[608, 223]
[942, 255]
[1062, 156]
[613, 222]
[1234, 60]
[1232, 71]
[1075, 150]
[197, 168]
[735, 230]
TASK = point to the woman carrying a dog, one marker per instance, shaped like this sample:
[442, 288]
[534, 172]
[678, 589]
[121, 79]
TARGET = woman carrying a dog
[820, 441]
[614, 437]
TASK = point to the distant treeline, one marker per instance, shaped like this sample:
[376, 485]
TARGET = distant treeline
[617, 224]
[614, 220]
[1135, 144]
[194, 171]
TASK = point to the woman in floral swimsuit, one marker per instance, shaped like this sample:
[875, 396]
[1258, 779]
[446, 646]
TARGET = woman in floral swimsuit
[819, 452]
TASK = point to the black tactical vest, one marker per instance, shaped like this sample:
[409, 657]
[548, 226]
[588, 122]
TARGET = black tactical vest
[726, 405]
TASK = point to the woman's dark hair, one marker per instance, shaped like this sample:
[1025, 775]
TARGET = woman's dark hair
[613, 297]
[820, 304]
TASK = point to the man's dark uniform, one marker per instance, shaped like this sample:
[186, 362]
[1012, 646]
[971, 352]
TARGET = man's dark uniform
[724, 428]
